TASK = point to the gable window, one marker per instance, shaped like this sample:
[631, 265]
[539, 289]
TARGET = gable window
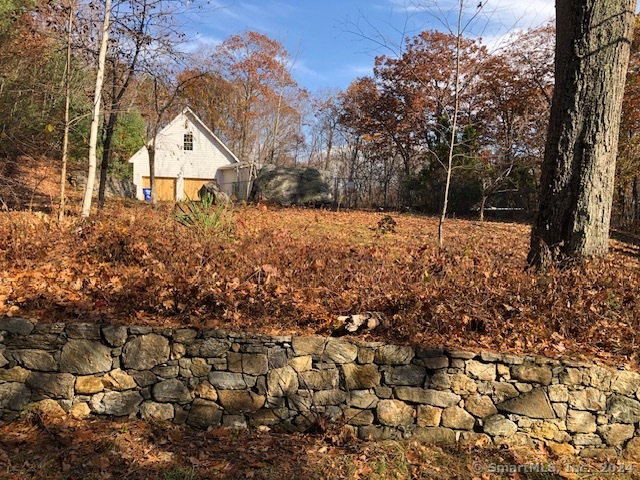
[188, 142]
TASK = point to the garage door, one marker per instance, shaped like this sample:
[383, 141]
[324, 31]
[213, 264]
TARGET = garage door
[165, 188]
[192, 185]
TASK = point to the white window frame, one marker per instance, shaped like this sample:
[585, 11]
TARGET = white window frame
[187, 141]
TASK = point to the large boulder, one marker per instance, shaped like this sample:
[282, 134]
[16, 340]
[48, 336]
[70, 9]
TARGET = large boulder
[120, 187]
[213, 190]
[291, 186]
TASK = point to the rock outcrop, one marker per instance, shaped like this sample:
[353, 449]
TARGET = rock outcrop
[291, 186]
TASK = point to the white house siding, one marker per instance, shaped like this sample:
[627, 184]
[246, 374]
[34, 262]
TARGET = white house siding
[172, 161]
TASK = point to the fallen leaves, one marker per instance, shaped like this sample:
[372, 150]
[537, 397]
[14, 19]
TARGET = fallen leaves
[104, 449]
[297, 271]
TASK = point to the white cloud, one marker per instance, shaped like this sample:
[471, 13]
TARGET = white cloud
[208, 39]
[255, 13]
[230, 17]
[201, 42]
[483, 15]
[301, 69]
[503, 18]
[521, 14]
[359, 70]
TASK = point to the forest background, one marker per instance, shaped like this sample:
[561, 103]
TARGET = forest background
[384, 139]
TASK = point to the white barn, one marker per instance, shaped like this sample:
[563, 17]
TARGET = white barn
[188, 155]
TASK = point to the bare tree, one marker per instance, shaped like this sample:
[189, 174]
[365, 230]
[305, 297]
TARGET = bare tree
[142, 30]
[463, 22]
[454, 124]
[464, 16]
[67, 102]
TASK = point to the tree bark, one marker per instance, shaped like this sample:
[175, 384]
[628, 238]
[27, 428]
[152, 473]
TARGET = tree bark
[110, 119]
[67, 102]
[97, 98]
[483, 203]
[151, 150]
[110, 128]
[635, 202]
[117, 95]
[576, 190]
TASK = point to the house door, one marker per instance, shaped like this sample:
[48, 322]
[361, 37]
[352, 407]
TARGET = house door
[192, 185]
[165, 188]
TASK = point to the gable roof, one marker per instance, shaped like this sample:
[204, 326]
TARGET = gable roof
[199, 122]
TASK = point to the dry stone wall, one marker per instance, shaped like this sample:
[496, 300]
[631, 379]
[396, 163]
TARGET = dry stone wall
[379, 391]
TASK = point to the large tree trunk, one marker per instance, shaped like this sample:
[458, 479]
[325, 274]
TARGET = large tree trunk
[576, 191]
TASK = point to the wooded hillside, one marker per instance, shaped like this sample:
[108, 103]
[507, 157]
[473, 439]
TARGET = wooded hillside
[384, 139]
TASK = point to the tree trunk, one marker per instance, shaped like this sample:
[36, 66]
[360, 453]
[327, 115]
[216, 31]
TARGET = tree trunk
[327, 159]
[576, 190]
[117, 94]
[151, 150]
[276, 127]
[109, 125]
[452, 138]
[483, 203]
[635, 203]
[97, 98]
[67, 102]
[106, 156]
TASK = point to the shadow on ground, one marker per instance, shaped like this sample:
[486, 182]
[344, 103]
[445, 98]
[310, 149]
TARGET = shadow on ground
[23, 187]
[37, 446]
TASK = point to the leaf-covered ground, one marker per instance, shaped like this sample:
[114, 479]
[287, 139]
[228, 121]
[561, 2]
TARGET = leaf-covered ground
[296, 270]
[45, 446]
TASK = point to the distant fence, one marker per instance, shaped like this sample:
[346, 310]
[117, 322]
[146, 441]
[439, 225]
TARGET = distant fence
[237, 190]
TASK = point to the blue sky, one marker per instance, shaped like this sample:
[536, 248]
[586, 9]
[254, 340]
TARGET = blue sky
[335, 41]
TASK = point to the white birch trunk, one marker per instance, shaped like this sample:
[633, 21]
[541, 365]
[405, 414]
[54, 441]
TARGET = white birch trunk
[97, 99]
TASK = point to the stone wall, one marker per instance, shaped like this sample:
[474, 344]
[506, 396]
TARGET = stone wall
[211, 378]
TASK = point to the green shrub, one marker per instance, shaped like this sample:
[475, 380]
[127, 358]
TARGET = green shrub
[206, 217]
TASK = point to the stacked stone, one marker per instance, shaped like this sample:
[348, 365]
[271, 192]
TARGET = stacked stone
[217, 378]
